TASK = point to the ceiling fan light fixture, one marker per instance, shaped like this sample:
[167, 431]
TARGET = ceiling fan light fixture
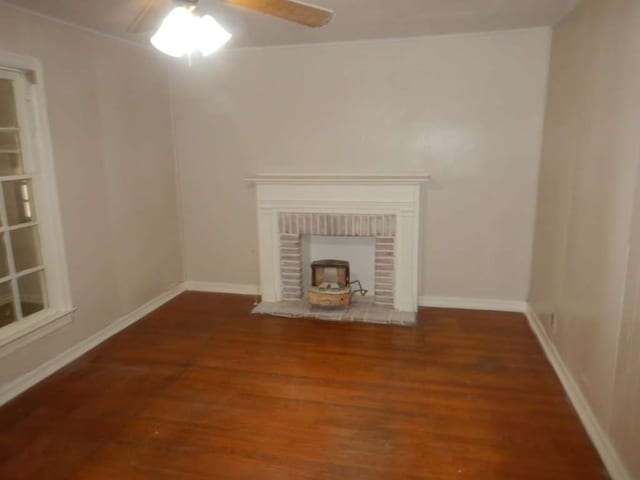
[182, 33]
[211, 35]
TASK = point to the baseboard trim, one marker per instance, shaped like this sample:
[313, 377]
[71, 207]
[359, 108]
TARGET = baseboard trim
[598, 435]
[473, 303]
[26, 381]
[426, 301]
[221, 287]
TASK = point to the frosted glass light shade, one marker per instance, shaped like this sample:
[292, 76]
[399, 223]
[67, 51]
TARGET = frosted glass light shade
[211, 36]
[182, 33]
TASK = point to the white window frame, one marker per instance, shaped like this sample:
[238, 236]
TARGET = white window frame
[39, 162]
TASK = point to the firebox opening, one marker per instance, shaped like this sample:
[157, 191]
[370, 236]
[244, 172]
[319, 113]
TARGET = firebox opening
[360, 252]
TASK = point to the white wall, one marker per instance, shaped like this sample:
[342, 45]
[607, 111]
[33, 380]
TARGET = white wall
[467, 109]
[110, 122]
[585, 268]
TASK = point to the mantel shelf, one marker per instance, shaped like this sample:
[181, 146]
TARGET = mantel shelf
[331, 179]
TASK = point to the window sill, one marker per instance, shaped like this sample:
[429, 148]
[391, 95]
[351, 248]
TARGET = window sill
[19, 334]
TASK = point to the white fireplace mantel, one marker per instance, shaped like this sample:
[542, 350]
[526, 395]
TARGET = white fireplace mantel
[349, 178]
[398, 195]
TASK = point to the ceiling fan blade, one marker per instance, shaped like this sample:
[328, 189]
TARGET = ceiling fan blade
[150, 17]
[291, 10]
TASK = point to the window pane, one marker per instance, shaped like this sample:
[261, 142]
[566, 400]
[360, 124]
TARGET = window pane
[26, 248]
[18, 200]
[32, 293]
[7, 104]
[10, 157]
[4, 265]
[7, 312]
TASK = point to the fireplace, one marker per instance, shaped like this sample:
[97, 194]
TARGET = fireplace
[292, 226]
[385, 208]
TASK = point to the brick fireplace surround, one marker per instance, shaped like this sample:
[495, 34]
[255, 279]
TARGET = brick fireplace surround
[386, 207]
[292, 226]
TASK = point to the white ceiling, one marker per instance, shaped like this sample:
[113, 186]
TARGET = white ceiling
[355, 19]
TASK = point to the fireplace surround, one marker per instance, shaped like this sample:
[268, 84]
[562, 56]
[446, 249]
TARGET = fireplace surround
[386, 207]
[292, 226]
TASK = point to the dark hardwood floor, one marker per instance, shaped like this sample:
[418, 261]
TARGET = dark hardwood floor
[201, 389]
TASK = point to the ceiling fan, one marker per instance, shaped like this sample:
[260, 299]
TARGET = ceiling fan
[153, 11]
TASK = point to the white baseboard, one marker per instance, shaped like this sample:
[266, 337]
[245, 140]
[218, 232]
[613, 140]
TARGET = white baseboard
[473, 303]
[19, 385]
[220, 287]
[598, 435]
[428, 301]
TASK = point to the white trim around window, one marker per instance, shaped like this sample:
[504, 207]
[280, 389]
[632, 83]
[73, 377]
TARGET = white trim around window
[39, 162]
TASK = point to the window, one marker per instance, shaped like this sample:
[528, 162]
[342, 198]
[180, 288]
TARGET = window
[33, 280]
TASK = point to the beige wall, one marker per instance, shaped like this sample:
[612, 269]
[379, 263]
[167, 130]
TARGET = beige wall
[589, 175]
[110, 122]
[466, 109]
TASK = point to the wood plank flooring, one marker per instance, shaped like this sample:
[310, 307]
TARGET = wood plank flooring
[201, 389]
